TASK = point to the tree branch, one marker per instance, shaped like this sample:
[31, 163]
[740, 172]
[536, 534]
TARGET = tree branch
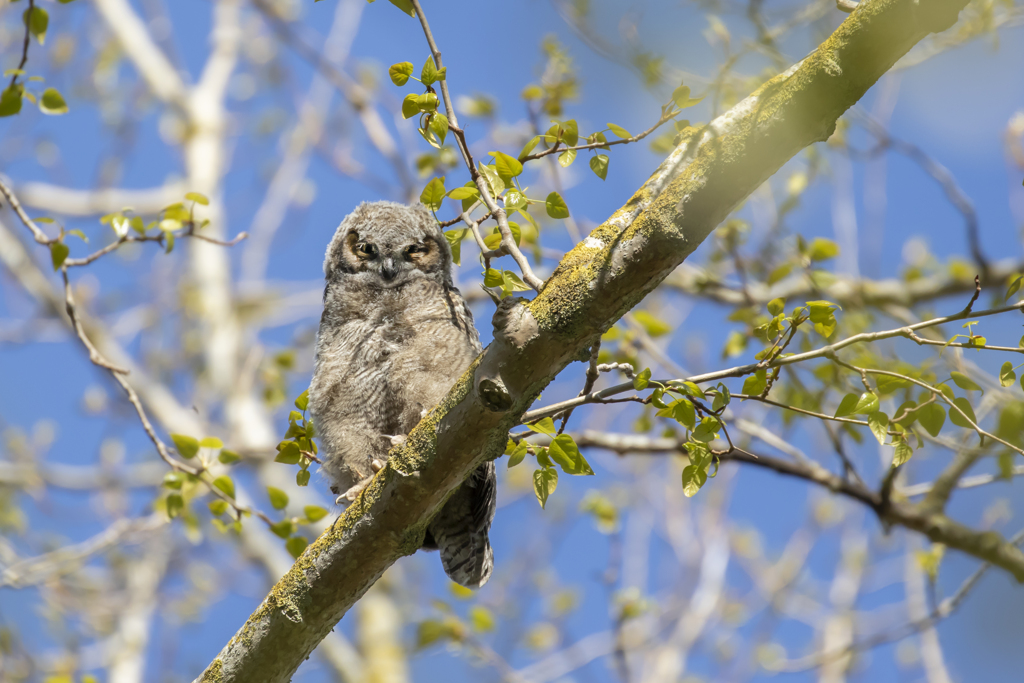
[596, 283]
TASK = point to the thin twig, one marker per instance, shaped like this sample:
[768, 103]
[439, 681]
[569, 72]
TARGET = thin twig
[507, 240]
[25, 44]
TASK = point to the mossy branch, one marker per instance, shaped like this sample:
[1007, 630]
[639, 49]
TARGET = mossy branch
[714, 169]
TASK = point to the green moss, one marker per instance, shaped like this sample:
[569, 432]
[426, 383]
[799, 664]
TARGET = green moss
[214, 673]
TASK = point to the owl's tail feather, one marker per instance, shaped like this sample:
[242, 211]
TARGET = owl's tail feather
[460, 529]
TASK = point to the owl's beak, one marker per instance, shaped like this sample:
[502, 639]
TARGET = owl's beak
[388, 269]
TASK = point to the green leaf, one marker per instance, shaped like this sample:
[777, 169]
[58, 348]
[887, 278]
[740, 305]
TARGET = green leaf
[1006, 374]
[410, 106]
[464, 193]
[296, 544]
[289, 453]
[707, 430]
[439, 126]
[433, 194]
[455, 238]
[619, 131]
[10, 100]
[481, 619]
[302, 478]
[932, 417]
[174, 480]
[52, 102]
[599, 165]
[964, 382]
[866, 404]
[493, 278]
[878, 423]
[564, 451]
[693, 479]
[302, 402]
[902, 454]
[529, 146]
[197, 198]
[427, 102]
[757, 383]
[224, 483]
[566, 158]
[175, 505]
[228, 457]
[956, 418]
[518, 453]
[822, 249]
[847, 405]
[400, 72]
[642, 379]
[429, 74]
[652, 325]
[506, 166]
[515, 201]
[186, 446]
[908, 417]
[217, 507]
[682, 411]
[405, 6]
[211, 442]
[1014, 287]
[314, 513]
[556, 206]
[776, 306]
[278, 498]
[545, 481]
[58, 253]
[37, 22]
[682, 99]
[494, 182]
[284, 528]
[545, 426]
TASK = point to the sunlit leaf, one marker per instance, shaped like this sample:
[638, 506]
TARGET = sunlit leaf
[545, 481]
[278, 498]
[186, 446]
[556, 206]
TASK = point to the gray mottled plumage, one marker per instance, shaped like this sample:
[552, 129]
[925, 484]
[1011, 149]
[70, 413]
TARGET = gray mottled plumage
[394, 336]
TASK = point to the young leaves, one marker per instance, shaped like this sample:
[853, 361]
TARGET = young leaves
[433, 194]
[545, 481]
[556, 206]
[400, 73]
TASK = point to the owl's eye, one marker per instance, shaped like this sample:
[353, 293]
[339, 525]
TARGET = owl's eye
[415, 249]
[366, 250]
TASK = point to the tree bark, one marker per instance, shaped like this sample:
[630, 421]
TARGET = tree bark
[714, 169]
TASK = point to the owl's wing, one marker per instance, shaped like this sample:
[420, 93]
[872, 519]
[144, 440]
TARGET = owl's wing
[460, 529]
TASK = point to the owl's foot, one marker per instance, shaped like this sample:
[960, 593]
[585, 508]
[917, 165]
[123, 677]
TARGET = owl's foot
[398, 439]
[353, 492]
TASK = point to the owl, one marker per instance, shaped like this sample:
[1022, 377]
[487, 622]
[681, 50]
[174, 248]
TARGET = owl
[394, 336]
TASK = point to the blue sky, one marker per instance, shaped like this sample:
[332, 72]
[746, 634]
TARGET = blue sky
[955, 106]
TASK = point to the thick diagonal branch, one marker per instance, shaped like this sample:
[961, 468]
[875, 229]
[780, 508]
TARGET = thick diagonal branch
[713, 170]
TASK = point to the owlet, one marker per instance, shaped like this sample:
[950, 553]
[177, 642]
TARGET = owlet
[394, 336]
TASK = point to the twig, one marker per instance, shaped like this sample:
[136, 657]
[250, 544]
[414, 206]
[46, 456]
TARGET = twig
[507, 240]
[740, 371]
[556, 149]
[25, 44]
[459, 219]
[8, 193]
[592, 374]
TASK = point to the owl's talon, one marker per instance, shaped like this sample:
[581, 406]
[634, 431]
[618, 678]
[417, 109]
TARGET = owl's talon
[353, 493]
[376, 465]
[398, 439]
